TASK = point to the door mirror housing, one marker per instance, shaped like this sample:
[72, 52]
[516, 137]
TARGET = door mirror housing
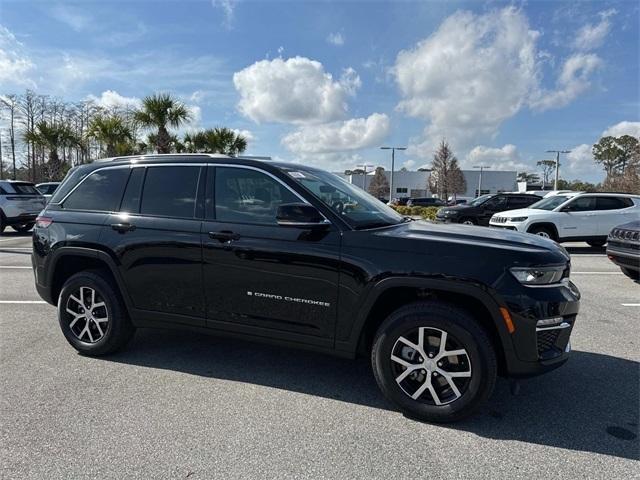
[300, 215]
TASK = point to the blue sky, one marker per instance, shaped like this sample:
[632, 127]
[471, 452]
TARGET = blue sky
[329, 82]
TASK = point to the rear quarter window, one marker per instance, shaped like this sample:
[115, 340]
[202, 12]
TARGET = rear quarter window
[100, 191]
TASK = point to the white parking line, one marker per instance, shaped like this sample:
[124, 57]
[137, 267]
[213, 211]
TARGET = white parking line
[631, 304]
[596, 273]
[15, 248]
[22, 301]
[13, 266]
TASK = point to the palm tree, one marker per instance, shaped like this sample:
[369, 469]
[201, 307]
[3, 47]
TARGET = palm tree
[159, 111]
[112, 132]
[215, 140]
[52, 136]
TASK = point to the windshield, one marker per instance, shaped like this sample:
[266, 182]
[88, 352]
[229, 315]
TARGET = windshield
[354, 205]
[550, 203]
[480, 200]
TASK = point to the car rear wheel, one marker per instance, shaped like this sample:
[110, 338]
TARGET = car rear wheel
[24, 227]
[92, 315]
[434, 361]
[543, 232]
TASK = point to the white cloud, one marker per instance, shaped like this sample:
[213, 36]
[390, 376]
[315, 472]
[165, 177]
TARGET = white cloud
[579, 163]
[228, 8]
[353, 134]
[572, 82]
[15, 64]
[247, 134]
[592, 36]
[71, 17]
[296, 90]
[505, 158]
[469, 76]
[110, 99]
[409, 164]
[336, 39]
[623, 128]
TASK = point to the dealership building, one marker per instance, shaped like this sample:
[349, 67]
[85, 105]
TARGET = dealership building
[415, 183]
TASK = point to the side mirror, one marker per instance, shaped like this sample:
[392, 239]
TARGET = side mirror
[300, 215]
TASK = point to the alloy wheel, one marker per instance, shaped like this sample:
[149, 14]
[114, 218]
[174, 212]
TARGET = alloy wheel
[90, 317]
[543, 234]
[431, 366]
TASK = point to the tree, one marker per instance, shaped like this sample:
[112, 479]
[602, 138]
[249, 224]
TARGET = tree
[629, 148]
[441, 180]
[548, 167]
[215, 140]
[379, 186]
[113, 133]
[10, 103]
[457, 183]
[608, 153]
[159, 111]
[528, 177]
[52, 137]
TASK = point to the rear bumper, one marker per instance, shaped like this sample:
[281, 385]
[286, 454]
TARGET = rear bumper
[21, 219]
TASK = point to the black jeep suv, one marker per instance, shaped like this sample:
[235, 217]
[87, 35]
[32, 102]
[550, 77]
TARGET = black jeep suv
[293, 255]
[480, 210]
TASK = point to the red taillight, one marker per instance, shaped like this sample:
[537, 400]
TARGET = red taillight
[43, 222]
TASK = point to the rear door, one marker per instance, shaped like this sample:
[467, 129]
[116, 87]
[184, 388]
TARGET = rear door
[155, 239]
[260, 277]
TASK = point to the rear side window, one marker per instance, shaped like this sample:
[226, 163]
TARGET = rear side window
[170, 191]
[100, 191]
[613, 203]
[20, 189]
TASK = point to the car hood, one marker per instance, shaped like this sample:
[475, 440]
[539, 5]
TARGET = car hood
[635, 226]
[457, 209]
[522, 212]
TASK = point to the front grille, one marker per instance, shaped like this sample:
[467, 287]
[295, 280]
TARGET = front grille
[622, 234]
[547, 340]
[499, 219]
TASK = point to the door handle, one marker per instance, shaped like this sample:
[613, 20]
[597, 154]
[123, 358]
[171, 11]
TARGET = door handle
[123, 227]
[224, 236]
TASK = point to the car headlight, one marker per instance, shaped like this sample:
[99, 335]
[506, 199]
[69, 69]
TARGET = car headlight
[517, 219]
[538, 275]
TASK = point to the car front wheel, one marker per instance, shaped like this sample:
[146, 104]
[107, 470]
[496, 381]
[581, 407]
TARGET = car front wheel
[92, 315]
[434, 361]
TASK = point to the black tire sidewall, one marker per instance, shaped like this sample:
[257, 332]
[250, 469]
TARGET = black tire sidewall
[23, 228]
[457, 324]
[119, 329]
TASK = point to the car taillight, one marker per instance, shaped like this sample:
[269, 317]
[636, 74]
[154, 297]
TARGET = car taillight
[43, 222]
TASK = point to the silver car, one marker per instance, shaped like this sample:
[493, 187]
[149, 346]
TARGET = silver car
[47, 189]
[20, 203]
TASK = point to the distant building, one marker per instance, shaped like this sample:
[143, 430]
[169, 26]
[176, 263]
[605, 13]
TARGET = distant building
[416, 183]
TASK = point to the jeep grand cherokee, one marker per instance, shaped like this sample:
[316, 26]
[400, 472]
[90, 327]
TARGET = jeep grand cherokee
[293, 255]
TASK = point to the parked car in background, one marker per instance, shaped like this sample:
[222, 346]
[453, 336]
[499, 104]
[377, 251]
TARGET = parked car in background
[623, 248]
[457, 201]
[20, 203]
[425, 202]
[47, 189]
[480, 210]
[400, 202]
[566, 217]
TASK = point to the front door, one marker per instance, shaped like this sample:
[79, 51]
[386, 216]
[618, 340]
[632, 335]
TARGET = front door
[259, 277]
[156, 241]
[579, 218]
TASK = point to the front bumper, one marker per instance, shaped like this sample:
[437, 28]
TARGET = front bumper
[624, 255]
[516, 227]
[538, 349]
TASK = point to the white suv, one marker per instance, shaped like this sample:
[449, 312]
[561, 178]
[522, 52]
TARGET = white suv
[572, 216]
[20, 204]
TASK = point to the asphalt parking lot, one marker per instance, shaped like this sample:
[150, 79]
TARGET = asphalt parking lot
[179, 405]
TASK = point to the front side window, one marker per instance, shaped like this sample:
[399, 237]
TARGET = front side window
[582, 204]
[354, 205]
[170, 191]
[248, 196]
[100, 191]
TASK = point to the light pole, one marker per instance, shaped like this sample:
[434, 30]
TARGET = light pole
[393, 161]
[364, 182]
[557, 152]
[481, 167]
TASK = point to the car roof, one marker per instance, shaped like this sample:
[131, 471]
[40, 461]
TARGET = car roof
[605, 194]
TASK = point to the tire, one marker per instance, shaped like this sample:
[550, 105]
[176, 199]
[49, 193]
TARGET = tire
[544, 232]
[3, 225]
[632, 274]
[93, 336]
[23, 228]
[596, 243]
[468, 221]
[463, 332]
